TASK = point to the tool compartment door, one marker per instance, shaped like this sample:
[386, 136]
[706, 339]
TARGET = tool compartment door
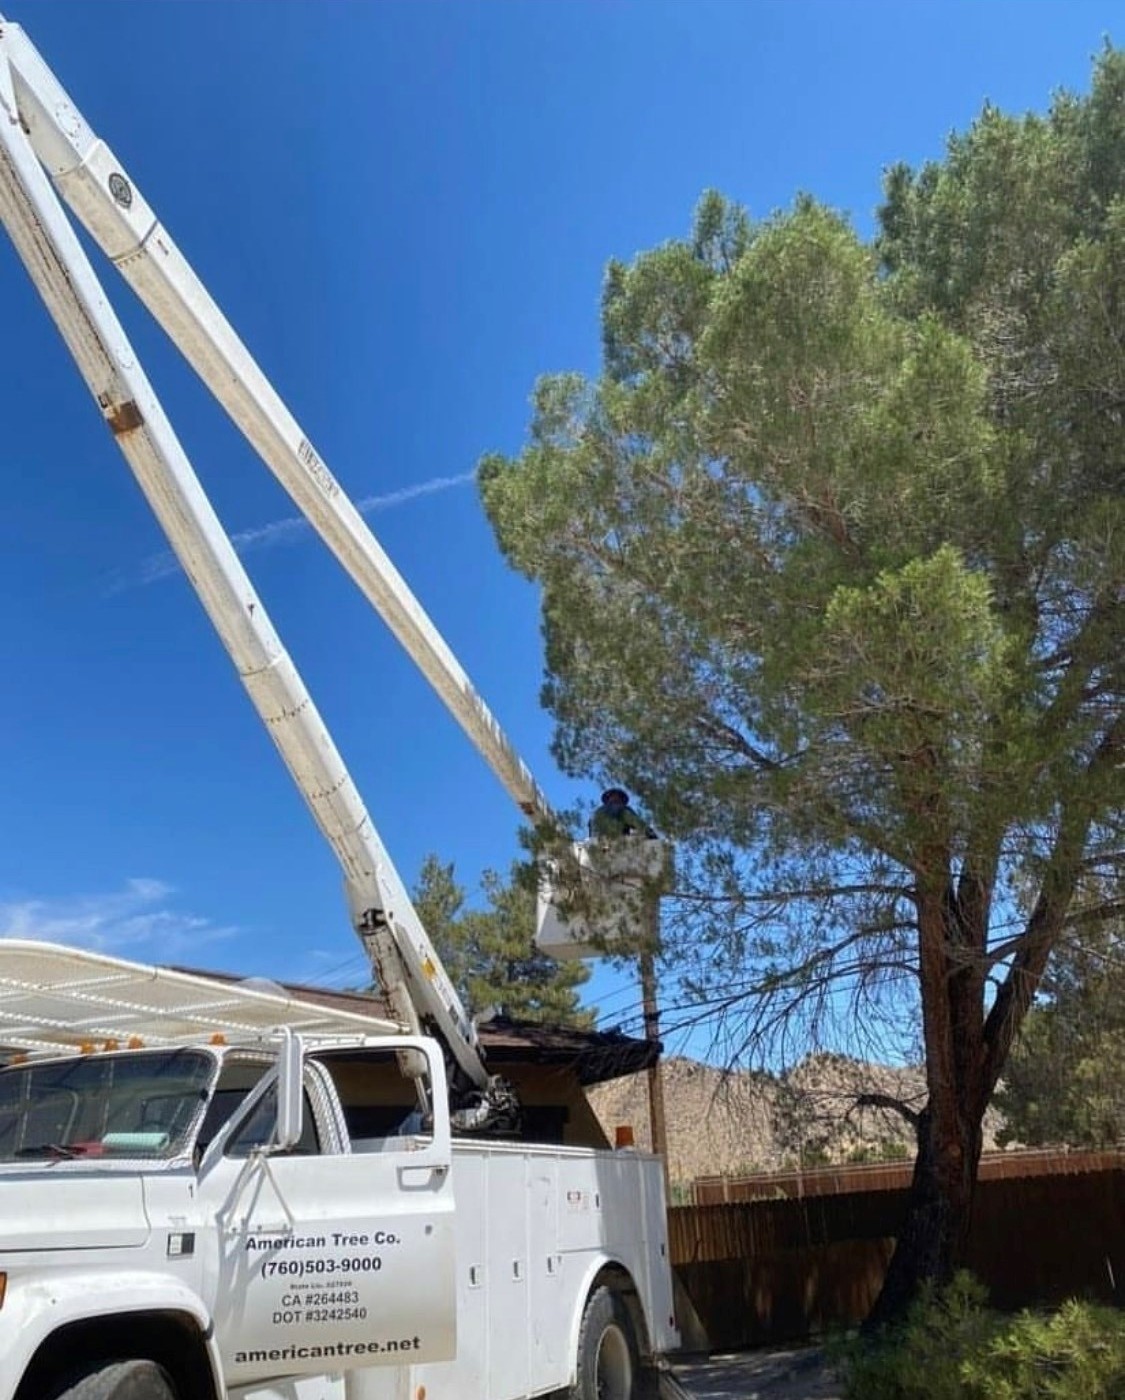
[338, 1254]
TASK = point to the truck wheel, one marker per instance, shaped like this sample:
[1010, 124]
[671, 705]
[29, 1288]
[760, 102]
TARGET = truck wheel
[122, 1380]
[607, 1350]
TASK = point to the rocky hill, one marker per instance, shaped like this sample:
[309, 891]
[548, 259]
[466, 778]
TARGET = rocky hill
[729, 1123]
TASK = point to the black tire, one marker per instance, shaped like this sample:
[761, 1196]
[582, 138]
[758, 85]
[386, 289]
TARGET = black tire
[608, 1363]
[122, 1380]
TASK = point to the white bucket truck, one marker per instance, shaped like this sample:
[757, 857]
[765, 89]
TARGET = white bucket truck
[223, 1192]
[256, 1201]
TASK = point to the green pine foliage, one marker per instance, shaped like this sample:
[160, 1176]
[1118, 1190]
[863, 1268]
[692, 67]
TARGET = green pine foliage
[490, 953]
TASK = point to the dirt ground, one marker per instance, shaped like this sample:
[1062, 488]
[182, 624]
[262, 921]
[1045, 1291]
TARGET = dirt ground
[769, 1374]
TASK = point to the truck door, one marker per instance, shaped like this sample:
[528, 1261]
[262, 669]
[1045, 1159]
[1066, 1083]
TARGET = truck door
[338, 1253]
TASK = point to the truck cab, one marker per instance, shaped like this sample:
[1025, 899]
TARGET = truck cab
[290, 1207]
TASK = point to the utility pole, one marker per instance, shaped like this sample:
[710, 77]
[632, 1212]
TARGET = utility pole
[658, 1126]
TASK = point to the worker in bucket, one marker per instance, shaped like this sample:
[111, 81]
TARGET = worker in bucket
[616, 818]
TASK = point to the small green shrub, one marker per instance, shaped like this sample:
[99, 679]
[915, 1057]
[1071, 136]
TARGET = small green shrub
[922, 1358]
[1077, 1353]
[951, 1347]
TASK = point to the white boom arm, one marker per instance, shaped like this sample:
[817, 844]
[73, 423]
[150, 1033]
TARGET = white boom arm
[109, 205]
[32, 103]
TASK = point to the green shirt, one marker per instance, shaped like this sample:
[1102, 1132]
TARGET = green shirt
[617, 821]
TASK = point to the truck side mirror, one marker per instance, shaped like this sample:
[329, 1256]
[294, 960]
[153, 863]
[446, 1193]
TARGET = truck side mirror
[290, 1090]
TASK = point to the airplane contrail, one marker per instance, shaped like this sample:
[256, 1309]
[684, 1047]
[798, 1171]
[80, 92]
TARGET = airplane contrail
[291, 530]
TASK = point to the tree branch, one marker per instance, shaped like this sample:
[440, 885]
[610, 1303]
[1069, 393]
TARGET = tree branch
[888, 1101]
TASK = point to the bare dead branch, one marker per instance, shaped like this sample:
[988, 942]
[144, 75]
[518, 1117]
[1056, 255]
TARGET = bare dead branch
[888, 1101]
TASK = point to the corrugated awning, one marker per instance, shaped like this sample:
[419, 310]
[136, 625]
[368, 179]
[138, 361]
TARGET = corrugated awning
[58, 999]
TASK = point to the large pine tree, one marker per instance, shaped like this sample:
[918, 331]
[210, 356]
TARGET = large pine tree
[832, 560]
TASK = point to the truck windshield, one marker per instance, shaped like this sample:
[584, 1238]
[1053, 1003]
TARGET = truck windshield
[138, 1104]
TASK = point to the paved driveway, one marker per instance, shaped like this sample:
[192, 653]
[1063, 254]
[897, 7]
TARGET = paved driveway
[758, 1375]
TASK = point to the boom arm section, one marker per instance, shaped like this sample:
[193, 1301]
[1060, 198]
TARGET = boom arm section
[384, 918]
[109, 205]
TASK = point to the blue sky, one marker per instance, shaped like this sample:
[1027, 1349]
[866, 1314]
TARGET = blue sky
[405, 209]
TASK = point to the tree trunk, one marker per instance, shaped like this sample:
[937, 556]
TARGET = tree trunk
[931, 1243]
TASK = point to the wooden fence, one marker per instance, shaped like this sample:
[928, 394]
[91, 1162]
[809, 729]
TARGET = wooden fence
[884, 1176]
[784, 1267]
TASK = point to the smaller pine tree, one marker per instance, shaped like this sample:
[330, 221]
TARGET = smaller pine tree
[490, 953]
[1065, 1080]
